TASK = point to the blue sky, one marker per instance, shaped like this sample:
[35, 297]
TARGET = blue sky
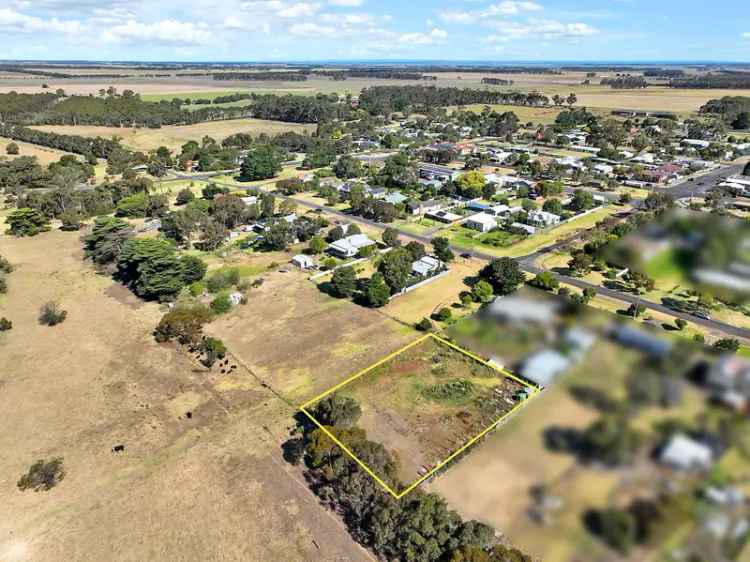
[247, 30]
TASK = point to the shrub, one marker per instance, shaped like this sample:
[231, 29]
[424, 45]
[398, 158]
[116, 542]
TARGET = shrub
[424, 325]
[43, 475]
[3, 285]
[5, 266]
[5, 324]
[223, 279]
[680, 323]
[12, 149]
[51, 314]
[214, 349]
[727, 345]
[221, 304]
[443, 315]
[453, 390]
[184, 323]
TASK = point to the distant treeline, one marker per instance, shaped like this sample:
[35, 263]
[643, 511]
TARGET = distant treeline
[381, 100]
[625, 82]
[497, 81]
[664, 73]
[375, 73]
[54, 74]
[728, 107]
[98, 146]
[734, 81]
[17, 107]
[285, 76]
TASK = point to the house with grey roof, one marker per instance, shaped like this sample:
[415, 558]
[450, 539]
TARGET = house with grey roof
[350, 246]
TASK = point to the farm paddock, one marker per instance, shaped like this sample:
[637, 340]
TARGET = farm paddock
[427, 402]
[183, 488]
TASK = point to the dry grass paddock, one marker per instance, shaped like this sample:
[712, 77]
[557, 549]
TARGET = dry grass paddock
[212, 486]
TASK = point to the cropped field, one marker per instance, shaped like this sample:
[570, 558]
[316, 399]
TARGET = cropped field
[427, 402]
[173, 137]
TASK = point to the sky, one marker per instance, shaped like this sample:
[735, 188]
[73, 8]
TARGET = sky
[308, 30]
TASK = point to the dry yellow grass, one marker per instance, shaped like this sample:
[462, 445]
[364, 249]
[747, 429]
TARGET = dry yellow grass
[174, 137]
[44, 155]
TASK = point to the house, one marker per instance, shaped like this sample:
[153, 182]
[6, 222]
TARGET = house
[728, 381]
[236, 298]
[443, 216]
[589, 149]
[395, 198]
[543, 367]
[645, 158]
[441, 173]
[250, 200]
[695, 143]
[643, 341]
[578, 340]
[520, 309]
[350, 246]
[290, 219]
[303, 261]
[482, 222]
[570, 162]
[542, 219]
[422, 207]
[664, 174]
[378, 192]
[426, 266]
[523, 228]
[685, 453]
[604, 169]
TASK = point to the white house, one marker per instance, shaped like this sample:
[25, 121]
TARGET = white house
[482, 222]
[303, 261]
[696, 143]
[684, 453]
[350, 246]
[422, 207]
[426, 265]
[604, 169]
[250, 200]
[525, 228]
[543, 219]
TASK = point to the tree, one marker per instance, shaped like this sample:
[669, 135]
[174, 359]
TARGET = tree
[416, 250]
[553, 206]
[424, 325]
[640, 282]
[185, 196]
[582, 201]
[616, 527]
[442, 248]
[378, 293]
[581, 263]
[680, 324]
[347, 167]
[572, 99]
[503, 274]
[742, 121]
[344, 282]
[338, 411]
[51, 314]
[12, 149]
[395, 267]
[107, 237]
[443, 315]
[221, 304]
[213, 349]
[267, 205]
[545, 281]
[135, 205]
[263, 162]
[43, 475]
[192, 269]
[184, 322]
[727, 345]
[278, 236]
[636, 310]
[317, 245]
[471, 184]
[482, 291]
[5, 324]
[26, 222]
[390, 237]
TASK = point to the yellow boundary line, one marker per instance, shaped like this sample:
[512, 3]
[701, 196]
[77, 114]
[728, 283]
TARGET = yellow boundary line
[413, 485]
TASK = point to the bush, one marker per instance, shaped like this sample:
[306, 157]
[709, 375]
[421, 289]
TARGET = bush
[221, 304]
[43, 475]
[214, 349]
[12, 149]
[5, 324]
[184, 323]
[3, 286]
[184, 197]
[5, 266]
[680, 324]
[727, 345]
[51, 314]
[443, 315]
[424, 325]
[223, 279]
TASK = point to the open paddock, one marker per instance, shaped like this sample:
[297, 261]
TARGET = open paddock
[45, 156]
[174, 136]
[99, 380]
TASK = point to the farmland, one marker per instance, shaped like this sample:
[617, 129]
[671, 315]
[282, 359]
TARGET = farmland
[173, 137]
[100, 380]
[428, 401]
[44, 155]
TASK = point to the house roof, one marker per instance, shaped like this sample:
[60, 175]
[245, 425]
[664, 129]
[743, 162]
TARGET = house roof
[484, 219]
[544, 366]
[517, 308]
[685, 453]
[352, 243]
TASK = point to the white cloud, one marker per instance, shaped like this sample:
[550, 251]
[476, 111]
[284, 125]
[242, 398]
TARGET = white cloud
[12, 21]
[435, 36]
[169, 32]
[501, 9]
[544, 29]
[298, 10]
[346, 3]
[746, 35]
[510, 8]
[312, 30]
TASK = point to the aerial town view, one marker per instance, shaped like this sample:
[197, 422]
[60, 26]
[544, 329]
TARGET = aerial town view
[367, 281]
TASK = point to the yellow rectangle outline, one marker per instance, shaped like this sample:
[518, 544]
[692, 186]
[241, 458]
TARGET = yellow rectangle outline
[413, 485]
